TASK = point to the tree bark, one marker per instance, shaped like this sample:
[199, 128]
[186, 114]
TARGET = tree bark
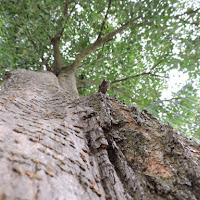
[53, 146]
[67, 80]
[57, 63]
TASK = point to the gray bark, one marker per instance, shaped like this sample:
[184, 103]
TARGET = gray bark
[56, 146]
[67, 81]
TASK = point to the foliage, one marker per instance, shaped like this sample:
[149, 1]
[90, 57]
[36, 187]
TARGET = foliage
[158, 36]
[182, 111]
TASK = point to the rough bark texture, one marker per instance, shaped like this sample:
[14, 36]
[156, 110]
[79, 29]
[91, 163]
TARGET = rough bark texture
[53, 147]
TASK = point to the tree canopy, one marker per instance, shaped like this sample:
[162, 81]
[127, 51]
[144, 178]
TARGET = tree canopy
[132, 43]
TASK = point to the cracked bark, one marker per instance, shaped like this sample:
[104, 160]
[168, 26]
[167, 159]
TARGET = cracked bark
[55, 147]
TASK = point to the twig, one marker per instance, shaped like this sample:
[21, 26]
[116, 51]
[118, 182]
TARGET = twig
[175, 98]
[144, 73]
[155, 65]
[137, 75]
[105, 18]
[65, 21]
[188, 12]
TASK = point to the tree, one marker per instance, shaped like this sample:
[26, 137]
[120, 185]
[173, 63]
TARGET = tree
[58, 146]
[94, 147]
[134, 44]
[155, 37]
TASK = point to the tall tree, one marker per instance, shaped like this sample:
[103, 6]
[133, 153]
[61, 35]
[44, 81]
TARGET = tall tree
[58, 146]
[134, 44]
[94, 147]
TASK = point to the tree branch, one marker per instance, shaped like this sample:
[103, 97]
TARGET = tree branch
[55, 41]
[145, 73]
[188, 12]
[105, 18]
[100, 41]
[65, 8]
[175, 98]
[64, 18]
[68, 16]
[137, 75]
[155, 65]
[57, 63]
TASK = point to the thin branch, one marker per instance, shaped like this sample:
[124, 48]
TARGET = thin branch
[155, 65]
[65, 8]
[62, 19]
[138, 75]
[187, 22]
[130, 77]
[68, 16]
[188, 12]
[55, 41]
[144, 73]
[105, 18]
[100, 41]
[175, 98]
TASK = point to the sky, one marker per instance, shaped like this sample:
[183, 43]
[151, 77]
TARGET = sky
[176, 81]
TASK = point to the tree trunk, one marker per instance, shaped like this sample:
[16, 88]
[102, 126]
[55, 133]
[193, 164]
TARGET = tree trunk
[67, 81]
[95, 147]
